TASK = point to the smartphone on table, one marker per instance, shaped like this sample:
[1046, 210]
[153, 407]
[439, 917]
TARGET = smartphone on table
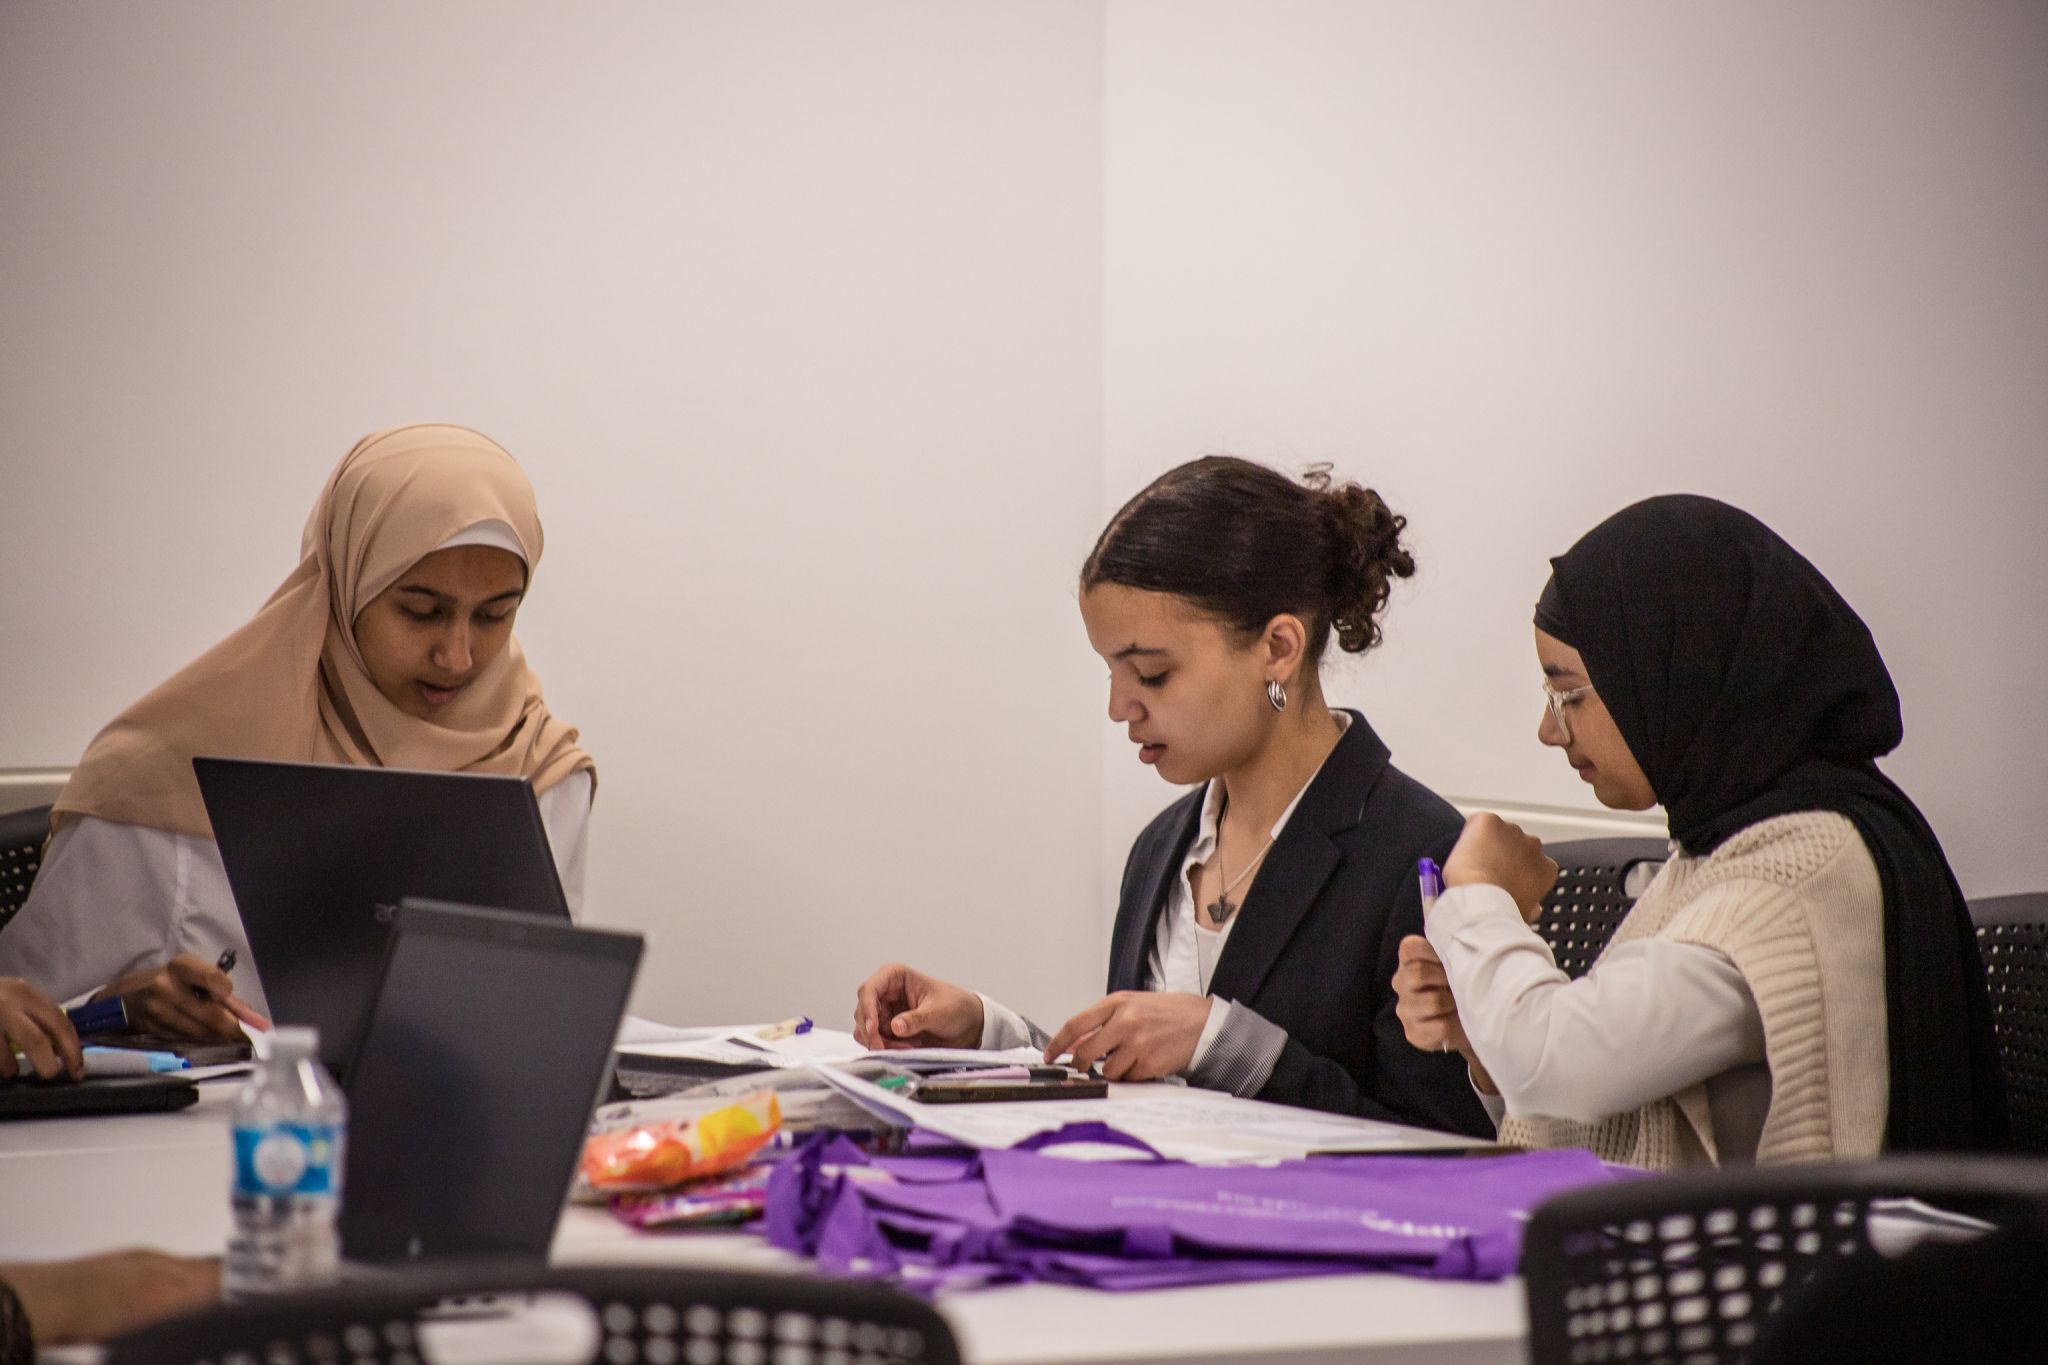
[995, 1090]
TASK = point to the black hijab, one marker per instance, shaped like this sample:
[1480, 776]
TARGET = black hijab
[1746, 688]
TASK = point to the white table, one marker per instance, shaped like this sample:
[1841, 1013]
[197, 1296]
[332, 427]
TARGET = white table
[69, 1187]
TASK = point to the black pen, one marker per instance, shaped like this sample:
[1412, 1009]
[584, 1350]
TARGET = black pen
[226, 962]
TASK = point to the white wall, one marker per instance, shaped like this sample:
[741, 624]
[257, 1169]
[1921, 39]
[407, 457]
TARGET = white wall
[792, 311]
[1519, 265]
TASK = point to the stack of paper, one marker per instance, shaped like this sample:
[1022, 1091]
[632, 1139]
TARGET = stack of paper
[1177, 1121]
[745, 1046]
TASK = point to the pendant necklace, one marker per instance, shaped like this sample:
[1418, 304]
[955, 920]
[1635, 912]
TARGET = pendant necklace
[1222, 908]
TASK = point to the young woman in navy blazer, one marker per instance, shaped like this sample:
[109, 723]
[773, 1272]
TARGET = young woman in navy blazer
[1260, 919]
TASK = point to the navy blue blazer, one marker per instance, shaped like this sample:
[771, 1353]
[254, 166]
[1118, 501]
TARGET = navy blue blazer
[1318, 937]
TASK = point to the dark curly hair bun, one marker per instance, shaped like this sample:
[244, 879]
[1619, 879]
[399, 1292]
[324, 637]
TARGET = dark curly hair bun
[1366, 557]
[1246, 543]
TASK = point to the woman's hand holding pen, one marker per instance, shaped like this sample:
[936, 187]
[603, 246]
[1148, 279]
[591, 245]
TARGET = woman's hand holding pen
[185, 998]
[1490, 852]
[33, 1026]
[1496, 853]
[1429, 1012]
[899, 1007]
[1134, 1035]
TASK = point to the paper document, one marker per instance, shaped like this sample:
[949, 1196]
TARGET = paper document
[1896, 1226]
[834, 1046]
[930, 1058]
[812, 1045]
[743, 1045]
[1179, 1122]
[633, 1031]
[720, 1048]
[886, 1105]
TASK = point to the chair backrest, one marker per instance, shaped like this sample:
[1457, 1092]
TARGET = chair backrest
[2012, 937]
[615, 1315]
[1595, 889]
[22, 836]
[1687, 1268]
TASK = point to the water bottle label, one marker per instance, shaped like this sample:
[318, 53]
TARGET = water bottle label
[286, 1158]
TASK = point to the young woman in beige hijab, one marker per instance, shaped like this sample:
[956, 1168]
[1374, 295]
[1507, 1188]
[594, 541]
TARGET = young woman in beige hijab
[390, 644]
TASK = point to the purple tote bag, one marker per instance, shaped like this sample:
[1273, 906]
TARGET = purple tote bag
[1006, 1215]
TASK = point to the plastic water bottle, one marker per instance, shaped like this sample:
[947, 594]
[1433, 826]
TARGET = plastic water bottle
[289, 1127]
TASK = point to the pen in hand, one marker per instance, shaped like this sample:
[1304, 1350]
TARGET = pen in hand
[234, 1004]
[1432, 878]
[187, 997]
[220, 991]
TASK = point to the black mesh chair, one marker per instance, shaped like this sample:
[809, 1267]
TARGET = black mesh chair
[1597, 881]
[2012, 936]
[22, 836]
[1691, 1269]
[614, 1316]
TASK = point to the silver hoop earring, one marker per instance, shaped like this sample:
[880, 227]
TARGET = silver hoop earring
[1276, 694]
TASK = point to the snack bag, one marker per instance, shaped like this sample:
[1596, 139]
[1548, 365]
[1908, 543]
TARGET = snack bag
[735, 1197]
[657, 1156]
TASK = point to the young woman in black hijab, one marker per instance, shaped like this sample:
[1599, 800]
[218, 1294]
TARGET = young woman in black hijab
[1801, 981]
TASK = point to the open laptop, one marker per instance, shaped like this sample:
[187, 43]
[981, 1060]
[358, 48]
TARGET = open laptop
[488, 1042]
[320, 855]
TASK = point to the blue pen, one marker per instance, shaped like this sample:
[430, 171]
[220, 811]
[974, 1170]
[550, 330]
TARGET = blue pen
[100, 1016]
[1432, 881]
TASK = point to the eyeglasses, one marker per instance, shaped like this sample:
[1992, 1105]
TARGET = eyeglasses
[1560, 700]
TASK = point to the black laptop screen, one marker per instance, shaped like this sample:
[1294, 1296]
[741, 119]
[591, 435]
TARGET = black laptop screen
[473, 1085]
[320, 855]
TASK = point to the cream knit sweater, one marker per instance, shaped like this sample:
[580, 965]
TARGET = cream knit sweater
[1795, 903]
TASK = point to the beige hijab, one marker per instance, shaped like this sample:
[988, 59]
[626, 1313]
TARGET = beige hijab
[292, 684]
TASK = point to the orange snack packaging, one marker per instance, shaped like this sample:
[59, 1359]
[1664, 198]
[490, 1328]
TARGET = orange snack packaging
[661, 1155]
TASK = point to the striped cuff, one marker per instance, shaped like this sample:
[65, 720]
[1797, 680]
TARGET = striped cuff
[1003, 1028]
[1241, 1059]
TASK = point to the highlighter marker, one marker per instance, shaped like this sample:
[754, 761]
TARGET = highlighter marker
[129, 1061]
[1432, 878]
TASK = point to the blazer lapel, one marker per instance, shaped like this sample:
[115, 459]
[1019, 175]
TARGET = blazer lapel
[1301, 862]
[1138, 921]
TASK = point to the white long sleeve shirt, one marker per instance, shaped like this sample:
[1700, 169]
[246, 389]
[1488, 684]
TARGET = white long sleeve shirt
[112, 897]
[1652, 1018]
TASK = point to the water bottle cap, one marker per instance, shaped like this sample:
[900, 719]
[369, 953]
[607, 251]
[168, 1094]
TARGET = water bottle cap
[294, 1038]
